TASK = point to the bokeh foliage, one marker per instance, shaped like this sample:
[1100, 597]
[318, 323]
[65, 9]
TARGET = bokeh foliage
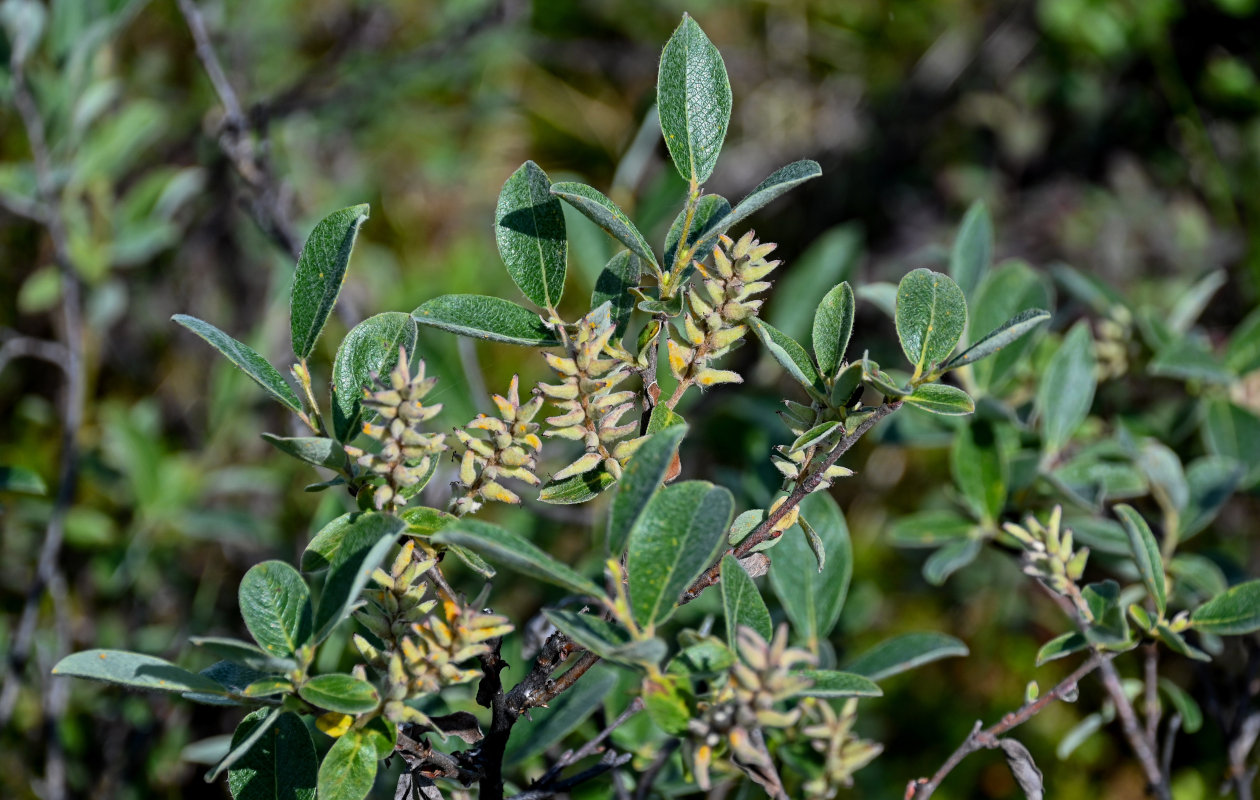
[1121, 137]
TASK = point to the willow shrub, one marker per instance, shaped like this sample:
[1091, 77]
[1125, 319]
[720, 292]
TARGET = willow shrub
[745, 698]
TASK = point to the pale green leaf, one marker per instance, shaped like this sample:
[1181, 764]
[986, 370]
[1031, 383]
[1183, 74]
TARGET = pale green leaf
[244, 357]
[931, 316]
[349, 768]
[833, 325]
[499, 544]
[340, 692]
[973, 248]
[489, 318]
[136, 671]
[1008, 332]
[905, 652]
[939, 398]
[832, 684]
[1066, 389]
[321, 270]
[529, 229]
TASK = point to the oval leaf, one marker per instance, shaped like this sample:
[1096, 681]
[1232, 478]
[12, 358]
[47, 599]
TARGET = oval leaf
[673, 541]
[939, 398]
[370, 350]
[577, 488]
[979, 469]
[499, 544]
[483, 317]
[312, 449]
[1007, 332]
[1235, 612]
[276, 605]
[1066, 391]
[619, 276]
[529, 229]
[607, 640]
[811, 597]
[321, 270]
[340, 692]
[605, 213]
[790, 355]
[931, 315]
[280, 766]
[245, 358]
[1146, 555]
[742, 603]
[640, 479]
[363, 546]
[135, 670]
[973, 249]
[905, 652]
[833, 325]
[241, 746]
[349, 769]
[830, 683]
[776, 184]
[693, 101]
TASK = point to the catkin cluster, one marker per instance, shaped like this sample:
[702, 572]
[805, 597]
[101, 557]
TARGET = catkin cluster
[716, 322]
[794, 460]
[498, 447]
[844, 753]
[406, 454]
[424, 642]
[590, 408]
[1048, 552]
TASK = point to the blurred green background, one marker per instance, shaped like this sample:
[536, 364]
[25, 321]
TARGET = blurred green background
[1119, 136]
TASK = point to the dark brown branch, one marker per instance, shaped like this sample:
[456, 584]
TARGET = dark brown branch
[982, 738]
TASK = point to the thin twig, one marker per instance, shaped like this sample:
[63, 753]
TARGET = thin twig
[765, 531]
[1142, 748]
[982, 738]
[1151, 688]
[654, 769]
[48, 572]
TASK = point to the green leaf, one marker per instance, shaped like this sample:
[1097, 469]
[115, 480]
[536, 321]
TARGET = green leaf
[370, 350]
[613, 286]
[693, 101]
[312, 449]
[776, 184]
[1187, 707]
[813, 598]
[742, 603]
[276, 605]
[706, 658]
[1233, 432]
[1177, 643]
[882, 382]
[931, 316]
[361, 549]
[340, 692]
[529, 229]
[1145, 551]
[640, 479]
[245, 653]
[671, 543]
[605, 213]
[499, 544]
[362, 528]
[790, 355]
[1187, 358]
[939, 398]
[244, 357]
[260, 722]
[1235, 612]
[833, 325]
[973, 249]
[830, 683]
[664, 699]
[547, 726]
[661, 418]
[1010, 331]
[905, 652]
[1242, 355]
[1212, 480]
[135, 670]
[1194, 300]
[577, 488]
[949, 559]
[425, 521]
[979, 469]
[321, 270]
[282, 765]
[929, 529]
[349, 769]
[483, 317]
[21, 479]
[1066, 390]
[707, 221]
[607, 640]
[1060, 646]
[815, 435]
[1110, 627]
[1197, 576]
[1005, 293]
